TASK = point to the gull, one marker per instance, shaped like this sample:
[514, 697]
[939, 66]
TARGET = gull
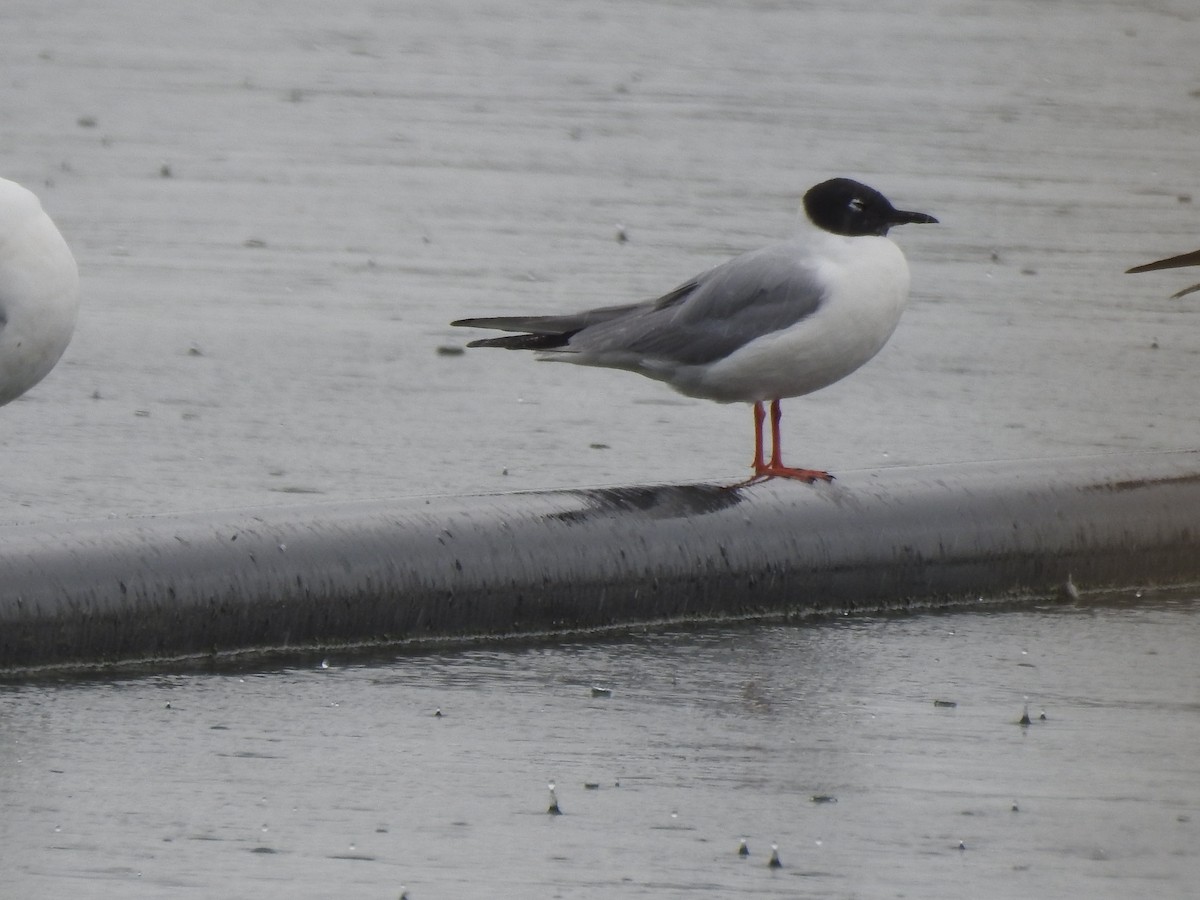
[1173, 262]
[773, 323]
[39, 292]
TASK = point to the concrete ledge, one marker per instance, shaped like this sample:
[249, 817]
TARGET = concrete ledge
[392, 571]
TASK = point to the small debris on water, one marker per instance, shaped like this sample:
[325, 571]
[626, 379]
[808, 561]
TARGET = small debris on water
[824, 798]
[947, 704]
[449, 350]
[598, 691]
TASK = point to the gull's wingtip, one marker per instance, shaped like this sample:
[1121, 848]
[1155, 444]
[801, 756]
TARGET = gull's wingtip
[1171, 262]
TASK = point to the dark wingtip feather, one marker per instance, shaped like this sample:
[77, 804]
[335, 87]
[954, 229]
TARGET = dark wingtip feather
[1173, 262]
[523, 341]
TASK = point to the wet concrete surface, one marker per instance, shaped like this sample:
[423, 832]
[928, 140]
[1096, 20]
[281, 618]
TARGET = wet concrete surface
[277, 212]
[338, 778]
[457, 569]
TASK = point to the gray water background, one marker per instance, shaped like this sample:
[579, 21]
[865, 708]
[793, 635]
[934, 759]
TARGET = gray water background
[340, 781]
[278, 207]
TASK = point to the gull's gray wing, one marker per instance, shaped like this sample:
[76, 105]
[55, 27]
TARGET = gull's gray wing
[711, 316]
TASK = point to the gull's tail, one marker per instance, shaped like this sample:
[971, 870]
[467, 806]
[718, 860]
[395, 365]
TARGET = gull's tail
[542, 332]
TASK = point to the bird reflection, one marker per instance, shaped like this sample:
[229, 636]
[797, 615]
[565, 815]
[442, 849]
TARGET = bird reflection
[667, 501]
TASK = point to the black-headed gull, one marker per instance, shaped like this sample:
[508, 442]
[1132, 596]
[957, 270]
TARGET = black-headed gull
[778, 322]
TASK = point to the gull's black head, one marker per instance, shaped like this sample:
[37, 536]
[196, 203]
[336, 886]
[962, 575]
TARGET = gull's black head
[844, 206]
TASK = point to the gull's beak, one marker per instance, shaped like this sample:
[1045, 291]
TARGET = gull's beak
[895, 217]
[1174, 262]
[904, 217]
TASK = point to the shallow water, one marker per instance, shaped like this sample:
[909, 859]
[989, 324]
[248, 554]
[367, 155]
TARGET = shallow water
[341, 781]
[277, 211]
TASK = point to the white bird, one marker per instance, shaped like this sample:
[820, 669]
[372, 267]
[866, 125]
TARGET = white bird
[778, 322]
[39, 292]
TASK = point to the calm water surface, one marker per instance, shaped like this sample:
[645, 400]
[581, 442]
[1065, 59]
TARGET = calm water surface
[342, 781]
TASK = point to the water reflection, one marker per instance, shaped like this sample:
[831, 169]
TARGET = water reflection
[704, 739]
[667, 501]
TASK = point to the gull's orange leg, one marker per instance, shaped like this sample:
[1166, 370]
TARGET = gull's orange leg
[759, 415]
[775, 468]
